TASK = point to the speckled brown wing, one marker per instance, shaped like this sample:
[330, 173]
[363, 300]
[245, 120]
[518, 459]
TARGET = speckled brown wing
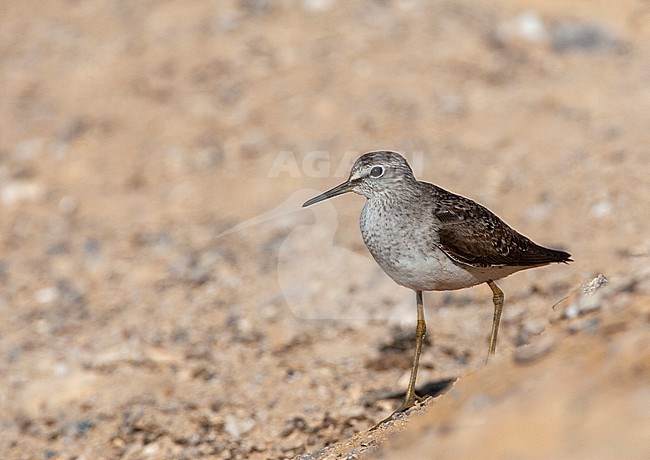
[471, 234]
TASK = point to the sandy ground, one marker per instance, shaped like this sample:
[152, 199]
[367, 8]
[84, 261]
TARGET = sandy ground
[163, 295]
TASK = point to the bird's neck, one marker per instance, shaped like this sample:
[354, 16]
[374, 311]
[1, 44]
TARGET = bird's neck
[399, 197]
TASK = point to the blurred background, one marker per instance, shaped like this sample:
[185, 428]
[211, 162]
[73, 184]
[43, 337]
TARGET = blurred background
[162, 293]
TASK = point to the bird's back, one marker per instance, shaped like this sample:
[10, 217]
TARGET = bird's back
[471, 234]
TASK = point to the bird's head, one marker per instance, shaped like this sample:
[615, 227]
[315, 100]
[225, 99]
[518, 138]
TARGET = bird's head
[373, 174]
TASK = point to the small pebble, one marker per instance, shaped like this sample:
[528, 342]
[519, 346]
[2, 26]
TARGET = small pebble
[538, 348]
[589, 325]
[28, 149]
[316, 6]
[579, 36]
[601, 209]
[150, 449]
[68, 204]
[527, 27]
[21, 192]
[235, 427]
[46, 295]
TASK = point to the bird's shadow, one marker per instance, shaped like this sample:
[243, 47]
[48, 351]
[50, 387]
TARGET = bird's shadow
[431, 389]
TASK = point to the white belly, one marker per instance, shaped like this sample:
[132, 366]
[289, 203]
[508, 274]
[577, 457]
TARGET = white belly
[437, 272]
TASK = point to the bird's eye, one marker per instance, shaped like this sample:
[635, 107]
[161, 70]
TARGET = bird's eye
[376, 172]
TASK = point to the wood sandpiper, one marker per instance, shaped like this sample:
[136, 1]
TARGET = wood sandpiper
[428, 239]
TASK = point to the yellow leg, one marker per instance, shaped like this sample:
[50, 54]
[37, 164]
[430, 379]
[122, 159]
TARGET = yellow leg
[420, 331]
[497, 299]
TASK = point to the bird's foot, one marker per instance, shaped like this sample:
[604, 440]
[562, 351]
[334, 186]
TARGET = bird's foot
[409, 402]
